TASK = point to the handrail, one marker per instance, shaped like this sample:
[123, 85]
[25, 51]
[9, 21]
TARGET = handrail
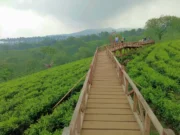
[78, 115]
[117, 46]
[139, 106]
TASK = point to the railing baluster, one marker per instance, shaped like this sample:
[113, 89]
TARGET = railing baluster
[135, 102]
[147, 125]
[141, 111]
[126, 86]
[79, 123]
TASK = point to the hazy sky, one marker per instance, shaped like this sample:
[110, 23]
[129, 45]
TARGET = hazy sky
[46, 17]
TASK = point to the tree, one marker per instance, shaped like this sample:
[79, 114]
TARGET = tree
[158, 26]
[83, 52]
[48, 51]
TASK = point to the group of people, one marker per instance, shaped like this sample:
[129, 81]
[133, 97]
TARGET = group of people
[117, 39]
[144, 39]
[123, 39]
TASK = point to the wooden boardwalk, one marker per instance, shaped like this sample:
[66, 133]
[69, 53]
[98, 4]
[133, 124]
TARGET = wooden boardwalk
[107, 105]
[108, 111]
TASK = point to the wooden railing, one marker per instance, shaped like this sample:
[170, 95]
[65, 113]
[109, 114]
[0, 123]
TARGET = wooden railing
[117, 46]
[78, 115]
[139, 106]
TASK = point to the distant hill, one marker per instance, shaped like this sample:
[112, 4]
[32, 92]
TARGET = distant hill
[97, 31]
[60, 36]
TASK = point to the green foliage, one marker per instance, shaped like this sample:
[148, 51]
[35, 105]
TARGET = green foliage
[163, 27]
[156, 69]
[27, 58]
[25, 99]
[55, 122]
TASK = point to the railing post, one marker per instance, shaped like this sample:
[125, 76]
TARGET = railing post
[141, 111]
[147, 124]
[90, 76]
[123, 81]
[135, 102]
[126, 86]
[121, 76]
[78, 123]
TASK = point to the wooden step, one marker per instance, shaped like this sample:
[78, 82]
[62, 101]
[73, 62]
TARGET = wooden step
[110, 132]
[99, 88]
[105, 78]
[105, 75]
[106, 93]
[106, 83]
[108, 106]
[110, 125]
[115, 118]
[107, 87]
[108, 111]
[115, 81]
[107, 97]
[106, 90]
[107, 101]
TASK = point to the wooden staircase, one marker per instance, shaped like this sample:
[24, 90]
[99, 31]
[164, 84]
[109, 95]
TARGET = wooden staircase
[107, 106]
[108, 111]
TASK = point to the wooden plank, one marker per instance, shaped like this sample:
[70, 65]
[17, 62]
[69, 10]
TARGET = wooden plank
[106, 83]
[115, 118]
[108, 106]
[107, 97]
[104, 76]
[105, 79]
[66, 131]
[108, 111]
[110, 132]
[135, 102]
[107, 87]
[106, 93]
[110, 125]
[147, 125]
[105, 67]
[107, 101]
[103, 72]
[109, 81]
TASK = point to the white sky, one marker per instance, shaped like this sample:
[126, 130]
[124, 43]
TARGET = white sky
[22, 18]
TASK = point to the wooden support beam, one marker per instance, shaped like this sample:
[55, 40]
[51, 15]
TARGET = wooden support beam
[131, 92]
[141, 111]
[168, 132]
[147, 125]
[126, 86]
[135, 102]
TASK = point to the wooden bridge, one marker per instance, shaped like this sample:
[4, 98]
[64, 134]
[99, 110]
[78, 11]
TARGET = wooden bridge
[110, 103]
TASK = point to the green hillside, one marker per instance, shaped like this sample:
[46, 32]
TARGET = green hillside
[24, 100]
[155, 70]
[22, 59]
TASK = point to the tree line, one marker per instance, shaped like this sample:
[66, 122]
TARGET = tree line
[25, 58]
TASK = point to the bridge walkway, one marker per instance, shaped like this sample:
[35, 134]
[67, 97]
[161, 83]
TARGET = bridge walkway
[108, 111]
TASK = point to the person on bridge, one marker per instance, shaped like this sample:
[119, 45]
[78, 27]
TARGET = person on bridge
[116, 39]
[122, 40]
